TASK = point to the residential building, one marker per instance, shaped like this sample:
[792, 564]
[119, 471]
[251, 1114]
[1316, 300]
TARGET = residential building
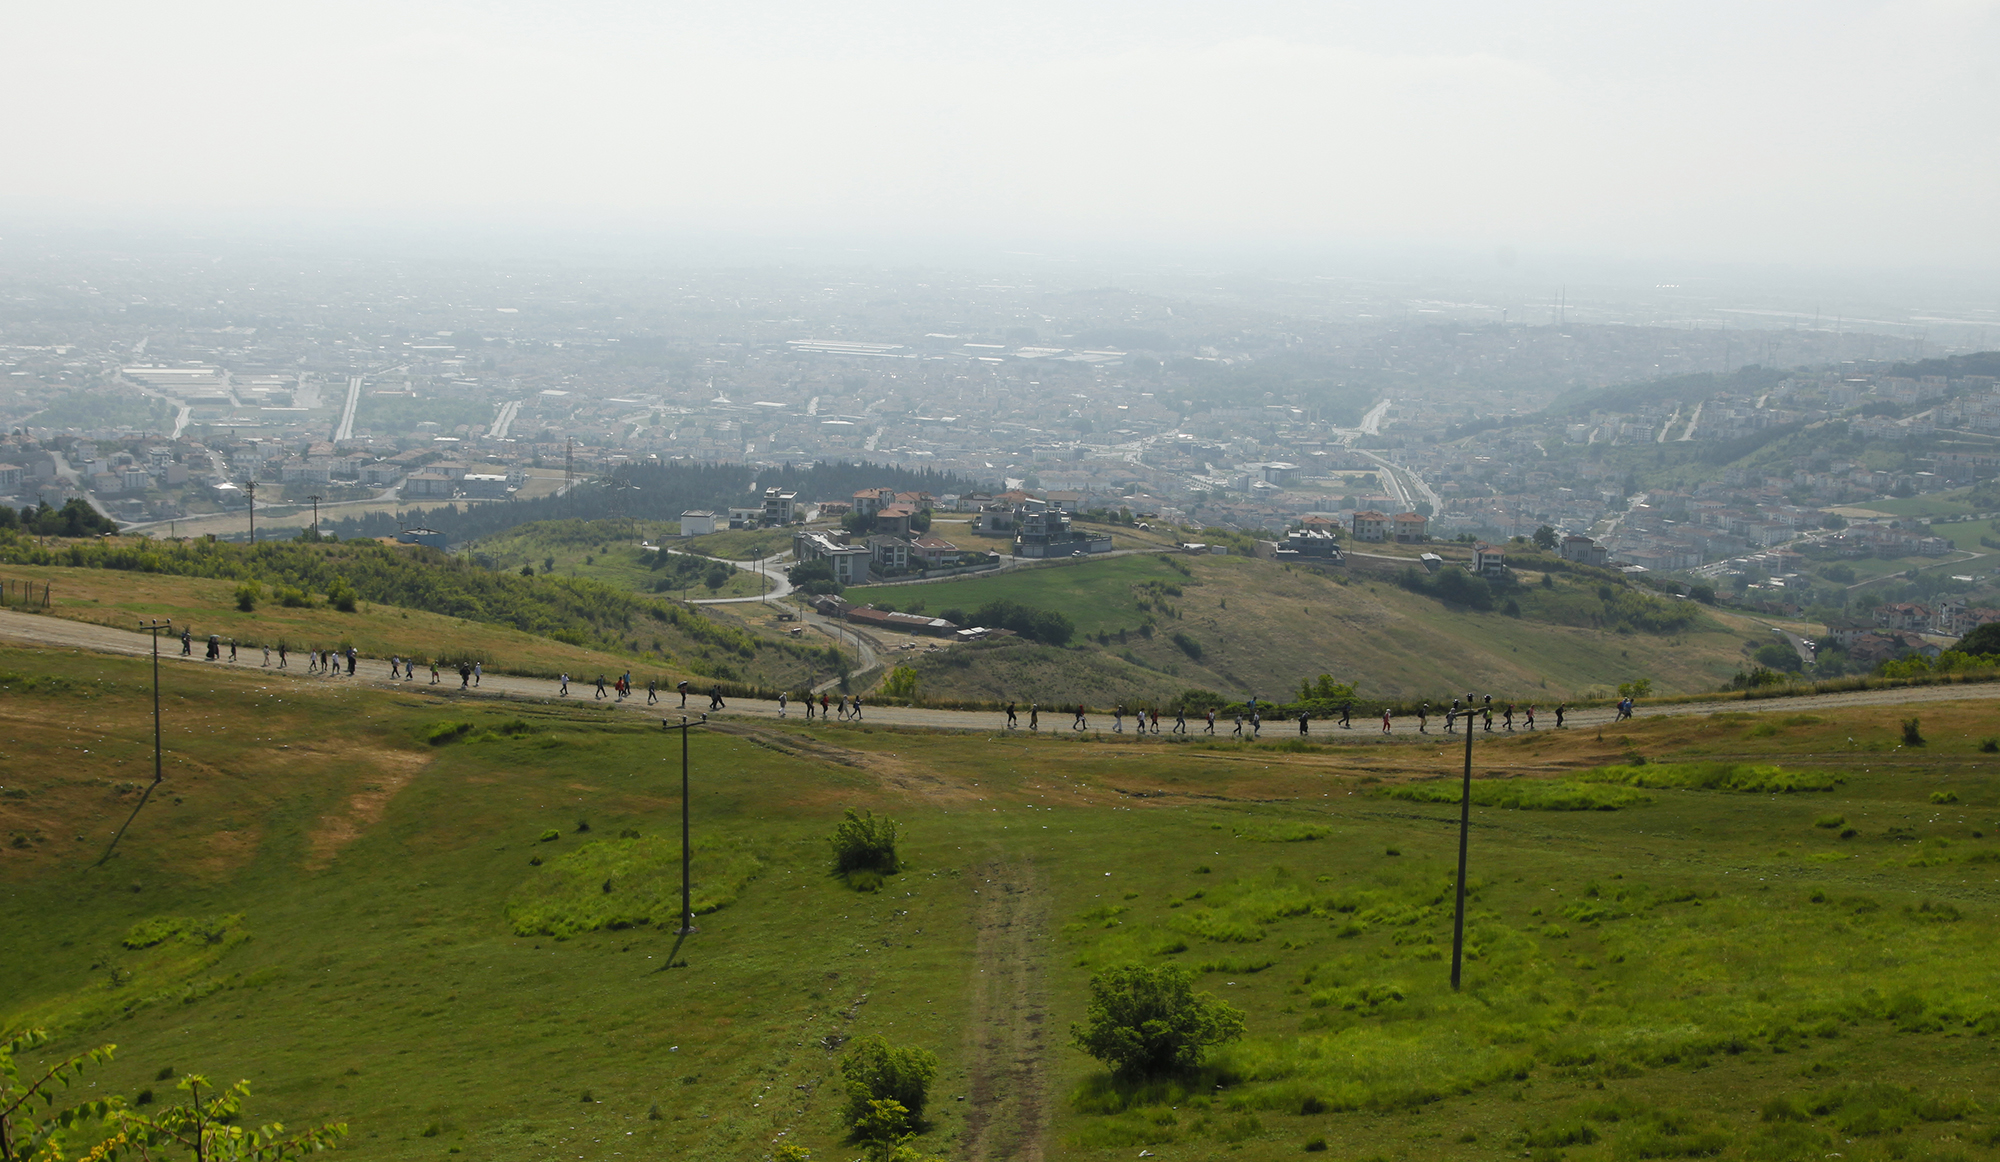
[849, 562]
[1583, 551]
[779, 506]
[1410, 528]
[1371, 526]
[1489, 560]
[697, 523]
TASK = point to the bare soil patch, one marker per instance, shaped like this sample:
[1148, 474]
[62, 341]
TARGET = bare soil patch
[1007, 1113]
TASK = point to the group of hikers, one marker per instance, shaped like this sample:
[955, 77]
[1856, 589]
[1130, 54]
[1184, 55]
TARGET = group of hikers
[330, 663]
[1468, 710]
[1145, 719]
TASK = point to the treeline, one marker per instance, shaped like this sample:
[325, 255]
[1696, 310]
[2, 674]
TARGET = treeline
[659, 492]
[74, 519]
[577, 612]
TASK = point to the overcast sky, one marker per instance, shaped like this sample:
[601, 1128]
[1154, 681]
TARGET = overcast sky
[1822, 132]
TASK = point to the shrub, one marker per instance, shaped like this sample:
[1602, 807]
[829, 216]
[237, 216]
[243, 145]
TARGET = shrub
[247, 595]
[879, 1075]
[1830, 821]
[551, 835]
[1911, 735]
[440, 733]
[1944, 796]
[1146, 1021]
[341, 595]
[1989, 746]
[292, 597]
[901, 682]
[862, 842]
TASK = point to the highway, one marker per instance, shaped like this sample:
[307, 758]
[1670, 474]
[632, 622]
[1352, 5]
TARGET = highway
[344, 430]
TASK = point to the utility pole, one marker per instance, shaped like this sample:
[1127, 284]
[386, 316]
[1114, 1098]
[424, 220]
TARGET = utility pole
[569, 463]
[315, 499]
[250, 490]
[1464, 831]
[153, 627]
[687, 927]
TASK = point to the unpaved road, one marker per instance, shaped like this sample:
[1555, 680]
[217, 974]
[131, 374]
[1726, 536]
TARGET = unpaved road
[1006, 1112]
[45, 630]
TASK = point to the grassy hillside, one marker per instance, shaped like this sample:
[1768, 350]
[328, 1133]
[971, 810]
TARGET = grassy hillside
[1737, 974]
[1159, 625]
[119, 582]
[611, 552]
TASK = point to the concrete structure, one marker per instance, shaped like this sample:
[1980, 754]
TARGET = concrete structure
[1489, 560]
[890, 554]
[779, 506]
[1410, 528]
[849, 562]
[484, 485]
[1371, 526]
[430, 538]
[429, 484]
[697, 523]
[1583, 551]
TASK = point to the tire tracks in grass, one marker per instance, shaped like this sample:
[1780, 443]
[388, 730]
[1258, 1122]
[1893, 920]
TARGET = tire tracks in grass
[1007, 1097]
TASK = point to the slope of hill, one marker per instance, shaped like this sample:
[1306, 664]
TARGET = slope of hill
[120, 581]
[613, 552]
[322, 901]
[1152, 626]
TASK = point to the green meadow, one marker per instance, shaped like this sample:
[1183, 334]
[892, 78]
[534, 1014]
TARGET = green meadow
[451, 925]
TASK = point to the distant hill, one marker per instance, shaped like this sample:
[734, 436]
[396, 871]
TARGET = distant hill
[1150, 627]
[1953, 366]
[1674, 389]
[659, 492]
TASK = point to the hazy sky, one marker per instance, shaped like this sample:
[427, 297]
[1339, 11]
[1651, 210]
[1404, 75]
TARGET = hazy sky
[1824, 132]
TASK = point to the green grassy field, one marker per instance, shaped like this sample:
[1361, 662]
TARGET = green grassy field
[1257, 627]
[1937, 504]
[609, 551]
[1738, 974]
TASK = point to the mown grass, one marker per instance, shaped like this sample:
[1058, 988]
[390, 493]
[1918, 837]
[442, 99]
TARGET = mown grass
[1680, 977]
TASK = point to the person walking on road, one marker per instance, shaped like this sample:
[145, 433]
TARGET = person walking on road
[1423, 718]
[1531, 718]
[807, 698]
[600, 686]
[684, 694]
[784, 699]
[478, 669]
[282, 662]
[267, 655]
[1238, 732]
[232, 651]
[1489, 714]
[715, 697]
[824, 702]
[1346, 716]
[1118, 719]
[353, 656]
[857, 708]
[1303, 728]
[1256, 724]
[187, 642]
[1559, 715]
[434, 672]
[1180, 719]
[1079, 722]
[1507, 718]
[1385, 720]
[1211, 721]
[214, 646]
[1034, 718]
[465, 678]
[562, 693]
[1451, 717]
[1011, 723]
[652, 691]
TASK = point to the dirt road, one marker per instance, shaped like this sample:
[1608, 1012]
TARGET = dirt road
[44, 630]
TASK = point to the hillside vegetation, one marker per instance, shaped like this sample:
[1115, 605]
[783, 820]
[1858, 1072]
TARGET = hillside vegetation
[1150, 627]
[450, 926]
[613, 552]
[574, 612]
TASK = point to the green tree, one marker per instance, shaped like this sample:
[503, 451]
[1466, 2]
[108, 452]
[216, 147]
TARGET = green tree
[1638, 688]
[861, 841]
[1984, 640]
[33, 1123]
[1545, 538]
[716, 578]
[204, 1128]
[1147, 1021]
[247, 595]
[879, 1076]
[901, 682]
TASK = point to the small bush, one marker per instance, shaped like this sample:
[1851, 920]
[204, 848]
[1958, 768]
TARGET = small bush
[551, 835]
[144, 1098]
[341, 595]
[1989, 746]
[1911, 735]
[1145, 1021]
[1944, 796]
[293, 598]
[247, 595]
[440, 733]
[862, 842]
[878, 1074]
[1316, 1146]
[1830, 821]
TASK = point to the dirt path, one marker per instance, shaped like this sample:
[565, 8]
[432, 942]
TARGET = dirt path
[1007, 1101]
[46, 630]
